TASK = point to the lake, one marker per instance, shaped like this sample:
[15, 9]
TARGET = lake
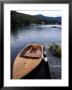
[21, 36]
[24, 35]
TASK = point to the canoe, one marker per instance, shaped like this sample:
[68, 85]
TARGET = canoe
[27, 60]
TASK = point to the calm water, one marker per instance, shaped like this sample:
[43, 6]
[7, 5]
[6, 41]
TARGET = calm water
[21, 36]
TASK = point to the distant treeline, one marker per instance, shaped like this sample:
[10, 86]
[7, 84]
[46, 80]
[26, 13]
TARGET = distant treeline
[25, 19]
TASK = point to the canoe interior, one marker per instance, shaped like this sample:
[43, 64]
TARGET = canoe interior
[32, 51]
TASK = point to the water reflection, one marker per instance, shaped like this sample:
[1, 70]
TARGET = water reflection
[21, 36]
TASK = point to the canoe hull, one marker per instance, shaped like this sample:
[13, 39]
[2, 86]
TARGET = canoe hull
[24, 65]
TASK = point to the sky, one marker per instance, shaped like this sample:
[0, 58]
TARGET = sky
[50, 13]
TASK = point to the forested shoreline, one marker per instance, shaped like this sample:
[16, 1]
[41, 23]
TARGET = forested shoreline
[27, 20]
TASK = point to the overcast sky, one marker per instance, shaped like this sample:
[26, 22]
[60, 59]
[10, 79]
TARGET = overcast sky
[51, 13]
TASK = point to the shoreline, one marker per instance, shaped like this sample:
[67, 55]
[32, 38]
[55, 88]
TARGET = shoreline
[43, 25]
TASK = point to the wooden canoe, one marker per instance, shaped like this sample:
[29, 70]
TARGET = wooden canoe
[27, 60]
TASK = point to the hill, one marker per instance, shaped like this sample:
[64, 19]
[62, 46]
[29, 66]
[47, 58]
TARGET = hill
[25, 19]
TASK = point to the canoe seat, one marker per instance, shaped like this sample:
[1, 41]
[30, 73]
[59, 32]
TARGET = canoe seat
[33, 51]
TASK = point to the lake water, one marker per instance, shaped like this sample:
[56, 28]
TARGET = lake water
[21, 36]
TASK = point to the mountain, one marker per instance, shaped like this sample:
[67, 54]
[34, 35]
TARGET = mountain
[49, 19]
[40, 16]
[58, 19]
[25, 19]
